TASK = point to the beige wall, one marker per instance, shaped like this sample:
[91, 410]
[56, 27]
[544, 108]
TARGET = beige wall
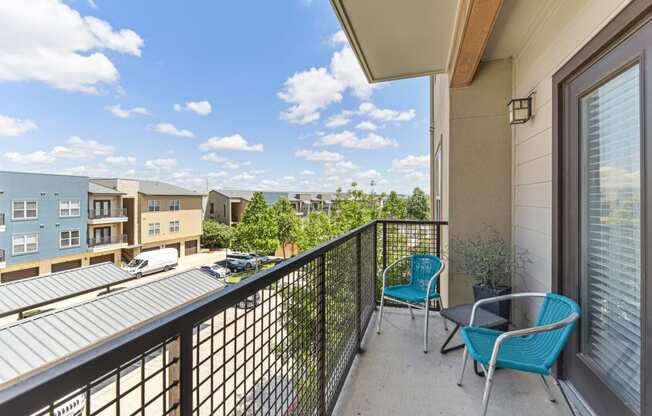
[115, 200]
[563, 30]
[189, 217]
[220, 203]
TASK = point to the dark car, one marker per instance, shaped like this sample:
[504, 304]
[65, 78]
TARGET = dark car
[233, 265]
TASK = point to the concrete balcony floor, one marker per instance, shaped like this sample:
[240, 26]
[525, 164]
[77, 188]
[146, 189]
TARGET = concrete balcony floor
[394, 377]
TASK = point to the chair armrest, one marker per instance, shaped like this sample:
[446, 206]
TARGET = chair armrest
[432, 279]
[392, 265]
[527, 331]
[501, 298]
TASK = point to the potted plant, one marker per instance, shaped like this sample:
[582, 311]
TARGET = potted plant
[488, 259]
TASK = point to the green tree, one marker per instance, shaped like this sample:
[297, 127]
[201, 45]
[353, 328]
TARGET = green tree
[257, 230]
[354, 209]
[315, 230]
[287, 223]
[417, 205]
[394, 207]
[216, 234]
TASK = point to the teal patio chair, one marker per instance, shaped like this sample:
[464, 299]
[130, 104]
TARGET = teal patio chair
[422, 288]
[533, 350]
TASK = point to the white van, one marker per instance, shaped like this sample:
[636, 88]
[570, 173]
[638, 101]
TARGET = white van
[152, 261]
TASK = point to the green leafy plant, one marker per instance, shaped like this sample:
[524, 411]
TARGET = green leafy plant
[487, 259]
[216, 234]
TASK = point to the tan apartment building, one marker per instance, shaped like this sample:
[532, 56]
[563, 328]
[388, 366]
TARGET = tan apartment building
[159, 215]
[107, 219]
[540, 115]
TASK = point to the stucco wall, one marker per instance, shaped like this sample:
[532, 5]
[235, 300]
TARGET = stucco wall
[562, 31]
[222, 207]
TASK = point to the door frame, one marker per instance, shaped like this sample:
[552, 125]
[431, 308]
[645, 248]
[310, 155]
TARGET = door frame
[630, 19]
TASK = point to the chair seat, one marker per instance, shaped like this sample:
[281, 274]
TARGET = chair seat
[409, 293]
[518, 353]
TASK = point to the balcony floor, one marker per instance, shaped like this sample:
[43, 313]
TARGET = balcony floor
[394, 377]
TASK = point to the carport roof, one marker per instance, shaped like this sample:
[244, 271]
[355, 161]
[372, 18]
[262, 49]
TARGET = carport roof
[43, 340]
[25, 294]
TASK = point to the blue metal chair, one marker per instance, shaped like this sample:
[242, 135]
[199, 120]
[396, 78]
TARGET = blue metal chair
[533, 350]
[424, 275]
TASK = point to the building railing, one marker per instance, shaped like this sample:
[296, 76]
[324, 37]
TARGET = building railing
[94, 214]
[279, 343]
[2, 255]
[2, 218]
[111, 239]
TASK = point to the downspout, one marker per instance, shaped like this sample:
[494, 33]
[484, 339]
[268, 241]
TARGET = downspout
[432, 147]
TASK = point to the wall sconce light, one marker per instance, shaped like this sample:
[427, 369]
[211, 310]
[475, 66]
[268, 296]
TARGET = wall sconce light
[520, 110]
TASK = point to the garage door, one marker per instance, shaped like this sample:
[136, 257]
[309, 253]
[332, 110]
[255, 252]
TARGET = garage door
[18, 274]
[142, 250]
[66, 265]
[102, 259]
[177, 246]
[191, 247]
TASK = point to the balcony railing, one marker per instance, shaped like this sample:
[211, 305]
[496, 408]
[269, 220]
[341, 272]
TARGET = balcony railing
[2, 218]
[111, 239]
[2, 256]
[94, 214]
[279, 343]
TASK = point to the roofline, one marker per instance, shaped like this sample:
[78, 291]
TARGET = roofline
[47, 174]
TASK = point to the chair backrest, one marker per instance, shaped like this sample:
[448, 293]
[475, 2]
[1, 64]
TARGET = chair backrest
[423, 268]
[554, 309]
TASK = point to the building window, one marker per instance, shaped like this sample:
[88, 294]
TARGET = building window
[174, 226]
[153, 205]
[24, 210]
[69, 239]
[439, 181]
[24, 244]
[175, 205]
[69, 208]
[212, 209]
[154, 228]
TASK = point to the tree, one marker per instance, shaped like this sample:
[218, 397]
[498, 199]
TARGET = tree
[287, 223]
[417, 205]
[257, 230]
[394, 207]
[216, 234]
[315, 230]
[354, 209]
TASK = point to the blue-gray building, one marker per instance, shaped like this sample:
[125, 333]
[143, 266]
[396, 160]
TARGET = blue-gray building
[43, 223]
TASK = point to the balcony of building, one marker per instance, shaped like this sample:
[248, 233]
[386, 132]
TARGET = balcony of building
[286, 341]
[107, 243]
[107, 216]
[3, 260]
[3, 226]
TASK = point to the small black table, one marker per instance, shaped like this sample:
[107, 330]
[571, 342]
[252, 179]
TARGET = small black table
[460, 315]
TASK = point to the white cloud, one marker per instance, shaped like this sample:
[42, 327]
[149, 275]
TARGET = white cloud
[367, 125]
[78, 148]
[307, 173]
[244, 176]
[48, 41]
[339, 37]
[202, 108]
[171, 129]
[212, 157]
[235, 142]
[29, 158]
[161, 164]
[289, 178]
[118, 111]
[350, 140]
[308, 93]
[386, 114]
[92, 4]
[341, 119]
[410, 163]
[217, 174]
[343, 166]
[15, 127]
[323, 156]
[346, 69]
[368, 174]
[120, 160]
[231, 165]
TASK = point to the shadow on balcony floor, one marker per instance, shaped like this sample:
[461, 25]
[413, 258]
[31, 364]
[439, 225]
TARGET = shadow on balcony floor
[395, 377]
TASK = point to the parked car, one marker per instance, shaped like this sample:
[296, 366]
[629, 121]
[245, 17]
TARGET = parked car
[216, 271]
[262, 259]
[273, 395]
[233, 265]
[73, 407]
[152, 261]
[249, 261]
[249, 302]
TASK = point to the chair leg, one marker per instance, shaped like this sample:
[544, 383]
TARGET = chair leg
[465, 358]
[411, 311]
[551, 396]
[425, 329]
[380, 316]
[487, 389]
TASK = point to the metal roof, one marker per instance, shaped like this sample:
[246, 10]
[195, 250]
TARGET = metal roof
[25, 294]
[43, 340]
[162, 188]
[96, 188]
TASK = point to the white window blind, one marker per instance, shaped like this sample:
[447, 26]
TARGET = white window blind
[611, 233]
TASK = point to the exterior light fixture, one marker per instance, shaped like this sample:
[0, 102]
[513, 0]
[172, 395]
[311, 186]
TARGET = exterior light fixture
[520, 110]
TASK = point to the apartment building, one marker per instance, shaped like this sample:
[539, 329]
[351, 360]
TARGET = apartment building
[159, 215]
[43, 224]
[107, 219]
[228, 206]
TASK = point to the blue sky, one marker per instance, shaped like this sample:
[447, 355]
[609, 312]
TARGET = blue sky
[257, 95]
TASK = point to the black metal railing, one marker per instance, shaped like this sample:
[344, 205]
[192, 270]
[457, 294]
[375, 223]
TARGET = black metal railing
[99, 213]
[109, 239]
[279, 343]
